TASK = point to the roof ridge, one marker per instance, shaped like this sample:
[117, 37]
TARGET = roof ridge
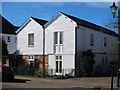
[38, 18]
[40, 21]
[90, 25]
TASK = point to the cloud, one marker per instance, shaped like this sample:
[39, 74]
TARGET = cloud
[99, 4]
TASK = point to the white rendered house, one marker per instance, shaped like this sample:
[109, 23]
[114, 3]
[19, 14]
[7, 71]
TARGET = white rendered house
[66, 37]
[30, 39]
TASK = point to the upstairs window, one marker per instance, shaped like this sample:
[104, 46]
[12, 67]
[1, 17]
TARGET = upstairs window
[105, 41]
[61, 37]
[15, 39]
[58, 37]
[91, 40]
[8, 39]
[31, 39]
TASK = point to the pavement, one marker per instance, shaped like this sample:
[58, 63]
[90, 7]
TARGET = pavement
[82, 83]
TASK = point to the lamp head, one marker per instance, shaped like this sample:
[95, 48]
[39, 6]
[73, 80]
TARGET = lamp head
[113, 8]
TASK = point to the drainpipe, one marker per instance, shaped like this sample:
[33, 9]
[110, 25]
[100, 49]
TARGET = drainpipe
[44, 71]
[76, 62]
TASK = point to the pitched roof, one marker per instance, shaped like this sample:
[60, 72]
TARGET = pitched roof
[90, 25]
[40, 21]
[7, 27]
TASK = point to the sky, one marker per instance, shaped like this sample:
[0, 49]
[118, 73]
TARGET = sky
[18, 12]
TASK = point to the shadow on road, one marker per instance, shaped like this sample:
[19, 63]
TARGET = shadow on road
[16, 81]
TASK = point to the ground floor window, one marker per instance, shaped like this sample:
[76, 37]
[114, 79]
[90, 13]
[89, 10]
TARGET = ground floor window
[58, 63]
[31, 57]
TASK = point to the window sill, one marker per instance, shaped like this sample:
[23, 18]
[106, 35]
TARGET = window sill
[30, 59]
[30, 45]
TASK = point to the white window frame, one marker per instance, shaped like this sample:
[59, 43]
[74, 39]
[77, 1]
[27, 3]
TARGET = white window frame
[8, 39]
[58, 45]
[29, 44]
[30, 57]
[59, 65]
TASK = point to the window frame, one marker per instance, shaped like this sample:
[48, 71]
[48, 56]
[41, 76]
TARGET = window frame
[8, 39]
[105, 41]
[92, 39]
[30, 57]
[30, 44]
[15, 39]
[58, 39]
[59, 63]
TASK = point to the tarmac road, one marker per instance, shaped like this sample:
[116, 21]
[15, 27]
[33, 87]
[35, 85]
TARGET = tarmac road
[34, 83]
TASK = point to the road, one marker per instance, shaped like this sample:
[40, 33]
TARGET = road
[71, 84]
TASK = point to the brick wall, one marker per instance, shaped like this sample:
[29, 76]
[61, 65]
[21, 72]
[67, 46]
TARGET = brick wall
[39, 57]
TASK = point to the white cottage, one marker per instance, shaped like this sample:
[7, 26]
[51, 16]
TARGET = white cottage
[66, 37]
[30, 39]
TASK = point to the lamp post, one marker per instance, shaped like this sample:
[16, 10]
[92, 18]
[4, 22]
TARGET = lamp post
[114, 10]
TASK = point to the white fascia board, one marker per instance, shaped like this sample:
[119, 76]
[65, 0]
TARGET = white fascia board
[68, 18]
[23, 25]
[51, 20]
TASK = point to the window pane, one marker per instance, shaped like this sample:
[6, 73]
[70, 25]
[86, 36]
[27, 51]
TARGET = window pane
[8, 39]
[60, 57]
[56, 37]
[60, 67]
[30, 39]
[105, 41]
[56, 57]
[56, 66]
[61, 37]
[91, 39]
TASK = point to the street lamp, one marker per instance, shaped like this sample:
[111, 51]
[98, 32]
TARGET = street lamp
[114, 10]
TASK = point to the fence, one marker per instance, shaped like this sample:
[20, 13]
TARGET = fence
[39, 72]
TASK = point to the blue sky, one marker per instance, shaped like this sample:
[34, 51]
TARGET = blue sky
[18, 12]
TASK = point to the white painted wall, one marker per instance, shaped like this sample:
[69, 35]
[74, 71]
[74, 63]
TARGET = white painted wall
[68, 64]
[83, 44]
[68, 28]
[31, 27]
[12, 45]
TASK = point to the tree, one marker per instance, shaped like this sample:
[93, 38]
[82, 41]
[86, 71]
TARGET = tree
[86, 63]
[37, 63]
[4, 48]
